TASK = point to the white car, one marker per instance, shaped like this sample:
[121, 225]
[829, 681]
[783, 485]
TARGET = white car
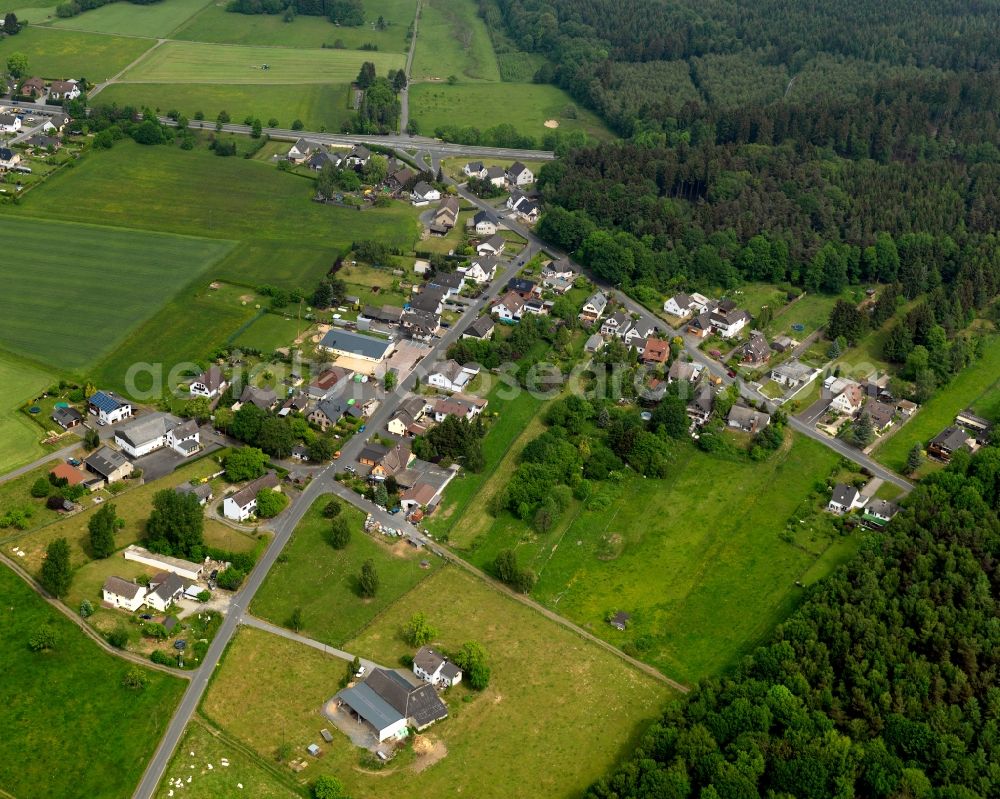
[360, 672]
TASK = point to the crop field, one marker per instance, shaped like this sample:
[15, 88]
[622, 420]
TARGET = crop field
[452, 40]
[215, 24]
[318, 106]
[978, 386]
[197, 62]
[492, 740]
[699, 562]
[157, 20]
[71, 54]
[96, 281]
[526, 106]
[322, 581]
[69, 707]
[19, 437]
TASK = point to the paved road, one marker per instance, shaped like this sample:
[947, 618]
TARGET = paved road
[266, 626]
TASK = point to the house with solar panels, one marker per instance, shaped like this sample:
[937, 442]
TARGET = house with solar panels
[108, 407]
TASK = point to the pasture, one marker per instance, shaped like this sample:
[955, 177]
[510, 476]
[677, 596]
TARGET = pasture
[70, 708]
[591, 702]
[156, 21]
[452, 40]
[701, 560]
[96, 281]
[319, 106]
[526, 106]
[270, 331]
[975, 386]
[63, 54]
[322, 581]
[215, 24]
[198, 62]
[19, 436]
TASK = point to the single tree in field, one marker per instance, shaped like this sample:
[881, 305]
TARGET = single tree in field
[327, 787]
[101, 528]
[56, 575]
[340, 533]
[471, 659]
[418, 631]
[295, 620]
[368, 581]
[17, 65]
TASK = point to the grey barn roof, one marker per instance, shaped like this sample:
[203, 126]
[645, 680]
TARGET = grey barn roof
[355, 343]
[370, 706]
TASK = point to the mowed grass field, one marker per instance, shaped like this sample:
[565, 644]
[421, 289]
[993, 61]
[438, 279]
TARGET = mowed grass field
[452, 40]
[19, 436]
[157, 20]
[322, 581]
[546, 729]
[62, 54]
[976, 386]
[526, 106]
[197, 62]
[215, 24]
[77, 290]
[70, 729]
[319, 106]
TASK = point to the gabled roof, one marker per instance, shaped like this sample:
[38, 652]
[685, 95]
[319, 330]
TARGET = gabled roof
[422, 189]
[105, 461]
[212, 378]
[73, 476]
[598, 301]
[484, 216]
[105, 401]
[123, 588]
[481, 328]
[428, 660]
[333, 408]
[203, 490]
[143, 430]
[66, 416]
[745, 416]
[952, 438]
[169, 588]
[448, 280]
[370, 706]
[263, 398]
[517, 168]
[428, 299]
[882, 508]
[356, 343]
[656, 349]
[248, 493]
[844, 494]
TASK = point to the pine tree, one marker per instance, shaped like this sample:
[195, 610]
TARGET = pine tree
[368, 581]
[102, 531]
[915, 459]
[56, 575]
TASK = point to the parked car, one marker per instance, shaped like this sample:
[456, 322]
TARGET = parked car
[360, 672]
[730, 372]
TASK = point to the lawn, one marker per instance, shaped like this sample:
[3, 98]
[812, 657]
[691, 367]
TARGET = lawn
[322, 581]
[318, 106]
[201, 747]
[976, 386]
[452, 40]
[96, 281]
[158, 20]
[19, 436]
[812, 311]
[270, 331]
[591, 704]
[66, 707]
[526, 106]
[697, 558]
[63, 54]
[215, 24]
[198, 62]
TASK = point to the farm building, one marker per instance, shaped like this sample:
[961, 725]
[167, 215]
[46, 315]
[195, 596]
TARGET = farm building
[109, 464]
[434, 668]
[357, 345]
[182, 568]
[388, 702]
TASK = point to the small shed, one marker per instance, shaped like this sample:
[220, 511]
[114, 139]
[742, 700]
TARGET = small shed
[314, 750]
[326, 735]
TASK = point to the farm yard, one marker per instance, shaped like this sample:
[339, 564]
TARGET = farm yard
[493, 734]
[70, 707]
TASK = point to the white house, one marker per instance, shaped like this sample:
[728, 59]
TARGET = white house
[108, 408]
[791, 373]
[593, 308]
[848, 401]
[636, 336]
[242, 505]
[845, 498]
[474, 169]
[509, 308]
[9, 123]
[747, 419]
[63, 90]
[123, 594]
[424, 193]
[209, 383]
[678, 305]
[184, 439]
[165, 589]
[520, 175]
[143, 435]
[432, 668]
[359, 155]
[485, 224]
[301, 150]
[451, 375]
[482, 270]
[728, 324]
[492, 246]
[616, 325]
[527, 209]
[182, 568]
[496, 176]
[8, 158]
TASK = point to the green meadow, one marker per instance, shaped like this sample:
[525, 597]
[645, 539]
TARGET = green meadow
[156, 20]
[19, 436]
[63, 54]
[452, 40]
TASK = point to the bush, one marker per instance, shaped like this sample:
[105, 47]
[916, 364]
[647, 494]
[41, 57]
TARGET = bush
[163, 658]
[86, 609]
[270, 503]
[332, 509]
[204, 596]
[42, 640]
[230, 579]
[135, 679]
[40, 488]
[118, 638]
[340, 533]
[152, 629]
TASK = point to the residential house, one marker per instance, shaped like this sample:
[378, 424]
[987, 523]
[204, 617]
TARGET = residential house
[66, 417]
[445, 216]
[845, 498]
[56, 123]
[464, 406]
[406, 420]
[700, 408]
[451, 375]
[203, 492]
[421, 325]
[429, 300]
[481, 329]
[949, 441]
[594, 343]
[165, 588]
[8, 158]
[32, 87]
[655, 351]
[536, 307]
[879, 512]
[523, 288]
[327, 412]
[124, 594]
[299, 152]
[108, 407]
[9, 123]
[72, 475]
[296, 403]
[679, 305]
[434, 668]
[263, 398]
[371, 454]
[356, 345]
[451, 282]
[593, 309]
[526, 208]
[143, 435]
[906, 408]
[684, 371]
[558, 276]
[210, 383]
[756, 351]
[421, 266]
[400, 179]
[108, 464]
[388, 703]
[881, 414]
[747, 419]
[387, 314]
[848, 401]
[729, 323]
[322, 158]
[474, 169]
[423, 193]
[482, 270]
[485, 224]
[701, 325]
[494, 245]
[395, 460]
[792, 374]
[616, 325]
[636, 336]
[496, 176]
[184, 439]
[509, 307]
[241, 505]
[63, 90]
[42, 142]
[519, 175]
[327, 382]
[358, 156]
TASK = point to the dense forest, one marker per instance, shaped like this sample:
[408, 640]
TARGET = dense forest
[882, 684]
[342, 12]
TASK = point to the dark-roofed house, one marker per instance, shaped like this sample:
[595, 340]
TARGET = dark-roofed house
[446, 214]
[700, 408]
[8, 158]
[209, 383]
[406, 420]
[143, 435]
[949, 441]
[185, 438]
[301, 150]
[474, 169]
[321, 158]
[263, 398]
[482, 270]
[496, 175]
[451, 282]
[747, 419]
[371, 454]
[42, 142]
[395, 460]
[520, 175]
[482, 328]
[679, 305]
[451, 375]
[109, 464]
[9, 123]
[356, 345]
[120, 593]
[756, 350]
[67, 417]
[421, 325]
[165, 589]
[359, 155]
[485, 224]
[845, 498]
[241, 505]
[494, 245]
[878, 512]
[434, 668]
[429, 300]
[424, 193]
[593, 308]
[203, 491]
[328, 411]
[389, 702]
[109, 408]
[880, 413]
[63, 90]
[387, 314]
[397, 180]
